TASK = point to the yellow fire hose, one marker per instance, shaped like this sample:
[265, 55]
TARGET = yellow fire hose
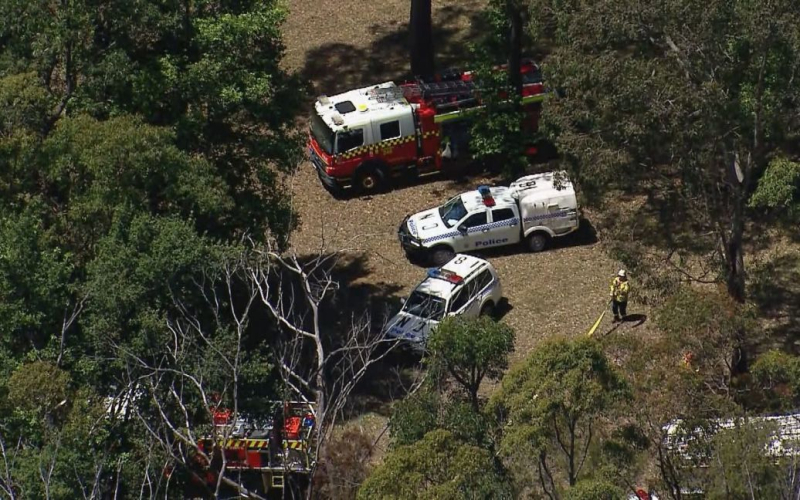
[597, 323]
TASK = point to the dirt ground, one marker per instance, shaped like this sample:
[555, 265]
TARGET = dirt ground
[343, 44]
[558, 292]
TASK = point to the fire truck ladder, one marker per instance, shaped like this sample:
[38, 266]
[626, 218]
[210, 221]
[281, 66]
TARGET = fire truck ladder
[385, 95]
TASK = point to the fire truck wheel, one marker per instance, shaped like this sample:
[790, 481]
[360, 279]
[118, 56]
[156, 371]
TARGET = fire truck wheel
[369, 179]
[442, 255]
[537, 242]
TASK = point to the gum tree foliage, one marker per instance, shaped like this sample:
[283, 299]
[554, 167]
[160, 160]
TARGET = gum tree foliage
[779, 188]
[672, 95]
[438, 466]
[469, 350]
[776, 381]
[740, 467]
[707, 325]
[498, 134]
[428, 409]
[594, 490]
[139, 141]
[550, 410]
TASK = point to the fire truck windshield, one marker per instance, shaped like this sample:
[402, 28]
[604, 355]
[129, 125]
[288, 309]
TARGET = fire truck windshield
[452, 211]
[322, 133]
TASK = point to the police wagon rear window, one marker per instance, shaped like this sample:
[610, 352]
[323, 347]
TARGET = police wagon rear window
[502, 214]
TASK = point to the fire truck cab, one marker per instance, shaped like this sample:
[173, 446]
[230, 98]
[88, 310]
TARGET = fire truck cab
[362, 133]
[363, 137]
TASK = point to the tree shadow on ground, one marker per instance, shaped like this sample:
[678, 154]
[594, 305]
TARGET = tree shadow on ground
[354, 305]
[337, 67]
[775, 289]
[388, 380]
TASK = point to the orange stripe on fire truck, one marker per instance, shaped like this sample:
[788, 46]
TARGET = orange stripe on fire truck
[374, 148]
[294, 445]
[247, 443]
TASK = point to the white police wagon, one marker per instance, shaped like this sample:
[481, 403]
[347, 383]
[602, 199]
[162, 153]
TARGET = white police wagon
[534, 209]
[464, 286]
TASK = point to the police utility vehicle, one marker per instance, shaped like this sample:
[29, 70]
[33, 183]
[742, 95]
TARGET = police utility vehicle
[534, 209]
[464, 286]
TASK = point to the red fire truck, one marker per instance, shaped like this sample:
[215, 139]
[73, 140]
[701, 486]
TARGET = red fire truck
[365, 137]
[263, 455]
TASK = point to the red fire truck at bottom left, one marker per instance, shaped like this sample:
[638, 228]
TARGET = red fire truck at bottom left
[261, 456]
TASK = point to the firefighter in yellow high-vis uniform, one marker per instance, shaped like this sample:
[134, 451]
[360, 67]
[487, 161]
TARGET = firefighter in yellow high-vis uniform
[619, 295]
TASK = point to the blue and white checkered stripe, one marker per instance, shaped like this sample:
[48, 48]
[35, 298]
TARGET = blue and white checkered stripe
[441, 237]
[452, 234]
[553, 215]
[412, 226]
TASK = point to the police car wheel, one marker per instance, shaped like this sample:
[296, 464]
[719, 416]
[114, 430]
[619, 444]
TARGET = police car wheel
[487, 310]
[537, 242]
[441, 256]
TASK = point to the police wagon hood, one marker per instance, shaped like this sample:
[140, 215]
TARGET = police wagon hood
[426, 224]
[405, 326]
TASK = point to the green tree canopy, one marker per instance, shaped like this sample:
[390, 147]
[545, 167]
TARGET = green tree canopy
[550, 408]
[470, 350]
[779, 188]
[139, 143]
[426, 410]
[666, 99]
[438, 466]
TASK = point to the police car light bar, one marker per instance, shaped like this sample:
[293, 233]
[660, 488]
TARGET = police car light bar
[446, 275]
[486, 194]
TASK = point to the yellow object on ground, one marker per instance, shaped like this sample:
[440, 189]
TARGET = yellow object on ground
[596, 324]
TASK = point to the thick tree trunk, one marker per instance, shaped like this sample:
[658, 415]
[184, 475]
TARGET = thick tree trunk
[515, 44]
[421, 28]
[735, 276]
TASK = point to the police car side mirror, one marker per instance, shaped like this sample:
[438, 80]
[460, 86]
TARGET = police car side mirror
[462, 228]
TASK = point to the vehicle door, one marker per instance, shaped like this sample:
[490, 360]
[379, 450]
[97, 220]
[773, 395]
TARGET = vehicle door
[349, 141]
[396, 141]
[504, 227]
[464, 303]
[472, 229]
[483, 288]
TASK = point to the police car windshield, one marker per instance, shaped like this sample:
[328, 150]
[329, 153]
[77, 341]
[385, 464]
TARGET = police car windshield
[424, 306]
[453, 210]
[322, 133]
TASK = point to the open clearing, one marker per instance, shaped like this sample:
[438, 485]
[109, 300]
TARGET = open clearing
[338, 45]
